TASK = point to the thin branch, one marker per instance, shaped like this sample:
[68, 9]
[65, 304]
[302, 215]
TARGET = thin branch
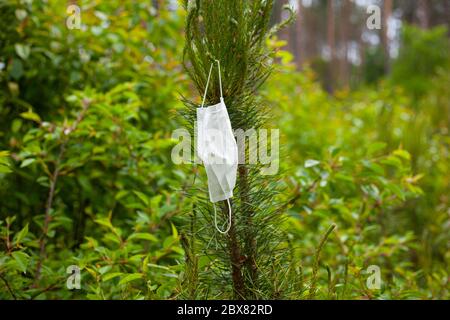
[51, 193]
[312, 290]
[9, 288]
[49, 288]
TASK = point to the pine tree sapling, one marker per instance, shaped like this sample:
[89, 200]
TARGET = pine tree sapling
[251, 261]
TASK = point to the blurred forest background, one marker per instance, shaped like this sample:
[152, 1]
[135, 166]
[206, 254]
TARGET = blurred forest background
[86, 176]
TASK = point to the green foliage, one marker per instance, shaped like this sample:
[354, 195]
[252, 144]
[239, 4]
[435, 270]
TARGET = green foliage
[86, 177]
[375, 184]
[424, 51]
[373, 69]
[82, 126]
[4, 162]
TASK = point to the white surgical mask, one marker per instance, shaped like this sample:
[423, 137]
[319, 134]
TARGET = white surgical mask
[217, 148]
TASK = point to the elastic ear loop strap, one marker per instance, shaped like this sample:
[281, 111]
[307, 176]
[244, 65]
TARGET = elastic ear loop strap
[220, 79]
[207, 82]
[229, 218]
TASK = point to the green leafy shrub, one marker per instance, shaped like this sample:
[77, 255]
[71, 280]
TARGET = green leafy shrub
[86, 177]
[354, 162]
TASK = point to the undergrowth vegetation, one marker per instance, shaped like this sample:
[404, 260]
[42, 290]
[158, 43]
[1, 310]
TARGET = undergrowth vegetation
[86, 176]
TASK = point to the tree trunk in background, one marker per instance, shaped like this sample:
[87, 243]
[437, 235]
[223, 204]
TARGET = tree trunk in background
[294, 40]
[276, 12]
[320, 28]
[331, 45]
[301, 35]
[362, 56]
[447, 13]
[345, 24]
[312, 33]
[286, 34]
[387, 13]
[423, 14]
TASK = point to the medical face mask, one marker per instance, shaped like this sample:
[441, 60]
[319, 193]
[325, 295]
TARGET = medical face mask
[217, 149]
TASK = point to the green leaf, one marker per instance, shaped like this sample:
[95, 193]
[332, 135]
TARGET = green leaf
[145, 264]
[4, 153]
[311, 163]
[152, 265]
[21, 235]
[104, 269]
[112, 237]
[104, 222]
[144, 236]
[392, 161]
[143, 197]
[174, 231]
[402, 154]
[27, 162]
[16, 69]
[4, 169]
[154, 204]
[343, 177]
[112, 275]
[10, 220]
[22, 260]
[396, 190]
[374, 167]
[16, 125]
[121, 194]
[4, 162]
[21, 14]
[30, 115]
[130, 277]
[374, 147]
[43, 181]
[22, 50]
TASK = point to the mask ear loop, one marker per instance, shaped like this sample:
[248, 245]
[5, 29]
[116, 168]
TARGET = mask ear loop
[229, 218]
[220, 80]
[207, 84]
